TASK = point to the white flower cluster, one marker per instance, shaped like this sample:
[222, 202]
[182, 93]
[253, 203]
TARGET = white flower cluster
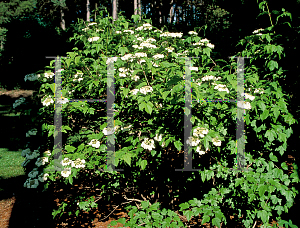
[201, 152]
[248, 96]
[18, 102]
[260, 91]
[78, 163]
[140, 38]
[216, 142]
[47, 101]
[158, 137]
[193, 33]
[210, 77]
[182, 54]
[146, 89]
[149, 40]
[169, 49]
[198, 82]
[243, 104]
[111, 60]
[257, 31]
[109, 131]
[49, 74]
[94, 143]
[129, 31]
[204, 42]
[194, 68]
[118, 32]
[31, 132]
[134, 91]
[63, 100]
[47, 153]
[124, 71]
[146, 44]
[70, 92]
[144, 27]
[221, 87]
[140, 54]
[129, 57]
[95, 38]
[85, 29]
[193, 141]
[148, 144]
[158, 105]
[126, 128]
[158, 56]
[171, 34]
[154, 64]
[66, 172]
[78, 77]
[93, 23]
[31, 77]
[200, 131]
[135, 77]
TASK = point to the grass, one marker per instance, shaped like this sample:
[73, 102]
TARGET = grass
[10, 163]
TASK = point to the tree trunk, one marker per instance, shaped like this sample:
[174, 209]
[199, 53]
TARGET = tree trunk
[135, 7]
[88, 13]
[171, 13]
[62, 20]
[140, 7]
[95, 9]
[114, 10]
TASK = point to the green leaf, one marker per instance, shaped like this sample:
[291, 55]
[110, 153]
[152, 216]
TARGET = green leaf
[272, 65]
[273, 157]
[178, 145]
[68, 62]
[145, 204]
[142, 105]
[98, 48]
[70, 148]
[265, 114]
[216, 222]
[80, 147]
[143, 164]
[184, 206]
[205, 219]
[148, 107]
[122, 50]
[121, 220]
[113, 223]
[165, 94]
[188, 214]
[261, 105]
[127, 158]
[284, 166]
[153, 152]
[71, 180]
[207, 51]
[261, 189]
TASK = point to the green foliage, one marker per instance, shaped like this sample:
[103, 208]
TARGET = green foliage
[151, 107]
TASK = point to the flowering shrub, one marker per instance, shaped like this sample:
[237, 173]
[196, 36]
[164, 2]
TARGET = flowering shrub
[149, 103]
